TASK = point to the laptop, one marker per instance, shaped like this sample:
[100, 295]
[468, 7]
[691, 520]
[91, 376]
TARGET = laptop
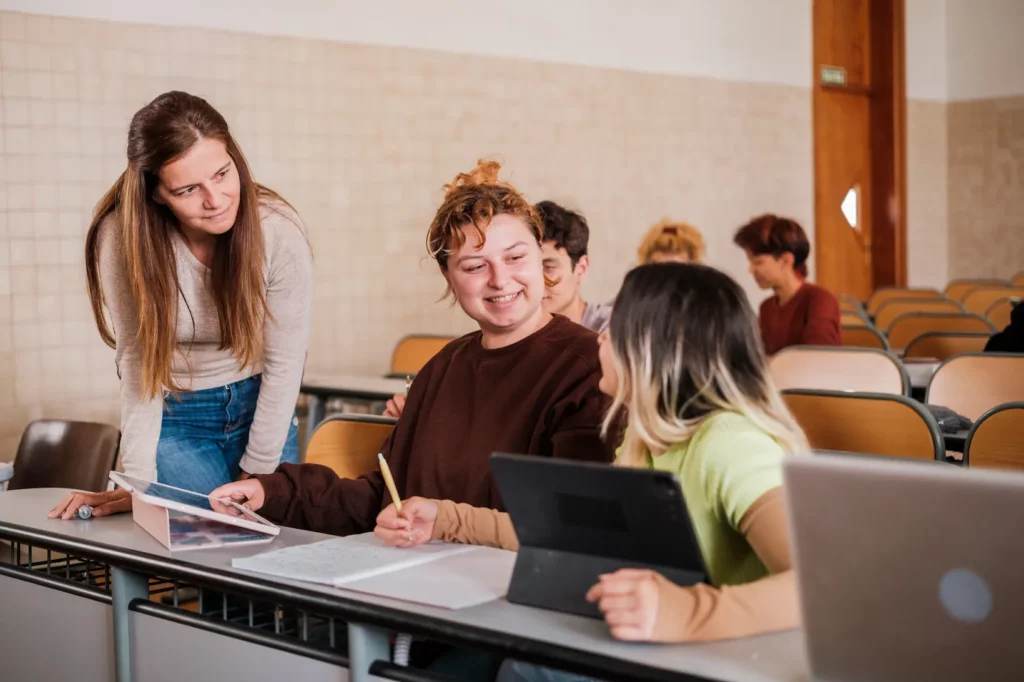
[578, 520]
[908, 570]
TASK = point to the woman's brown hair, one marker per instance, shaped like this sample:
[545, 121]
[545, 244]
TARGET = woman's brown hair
[159, 133]
[774, 235]
[672, 237]
[474, 198]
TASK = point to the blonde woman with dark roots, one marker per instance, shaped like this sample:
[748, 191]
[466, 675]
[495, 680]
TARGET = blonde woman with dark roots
[671, 242]
[683, 360]
[207, 277]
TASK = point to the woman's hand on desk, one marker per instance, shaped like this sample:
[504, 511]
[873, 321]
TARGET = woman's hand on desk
[248, 493]
[413, 526]
[103, 504]
[630, 600]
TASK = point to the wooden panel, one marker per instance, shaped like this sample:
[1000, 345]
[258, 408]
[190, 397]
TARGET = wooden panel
[980, 299]
[942, 346]
[838, 422]
[862, 336]
[959, 288]
[836, 369]
[998, 440]
[893, 308]
[349, 448]
[880, 297]
[908, 327]
[999, 313]
[413, 352]
[973, 384]
[842, 36]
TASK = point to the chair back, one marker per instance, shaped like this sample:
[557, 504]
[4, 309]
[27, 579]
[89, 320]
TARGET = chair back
[414, 351]
[888, 293]
[868, 423]
[863, 336]
[848, 304]
[829, 368]
[909, 326]
[997, 439]
[1018, 280]
[958, 288]
[895, 307]
[65, 454]
[980, 299]
[943, 345]
[348, 443]
[971, 384]
[999, 312]
[852, 319]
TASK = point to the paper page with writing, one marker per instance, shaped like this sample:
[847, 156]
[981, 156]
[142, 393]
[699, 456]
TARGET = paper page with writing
[341, 560]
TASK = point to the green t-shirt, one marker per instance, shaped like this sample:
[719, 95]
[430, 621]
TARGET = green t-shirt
[724, 468]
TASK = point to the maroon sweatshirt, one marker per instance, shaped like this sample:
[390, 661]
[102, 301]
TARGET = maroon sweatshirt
[538, 397]
[810, 318]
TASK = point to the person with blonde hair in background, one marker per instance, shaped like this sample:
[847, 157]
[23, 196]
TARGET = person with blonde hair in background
[207, 278]
[683, 362]
[671, 242]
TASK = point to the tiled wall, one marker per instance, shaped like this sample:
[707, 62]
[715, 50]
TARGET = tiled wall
[360, 139]
[986, 187]
[927, 241]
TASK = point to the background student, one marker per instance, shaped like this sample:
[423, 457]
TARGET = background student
[682, 358]
[207, 277]
[671, 242]
[526, 382]
[798, 312]
[566, 262]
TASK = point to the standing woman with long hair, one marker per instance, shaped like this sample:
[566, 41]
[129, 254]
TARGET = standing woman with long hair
[207, 278]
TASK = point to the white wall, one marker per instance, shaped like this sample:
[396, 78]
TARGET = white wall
[985, 48]
[926, 50]
[724, 39]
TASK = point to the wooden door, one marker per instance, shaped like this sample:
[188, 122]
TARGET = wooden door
[860, 214]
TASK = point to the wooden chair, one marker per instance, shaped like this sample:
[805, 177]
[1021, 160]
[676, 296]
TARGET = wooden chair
[958, 288]
[848, 318]
[1018, 280]
[850, 304]
[412, 352]
[944, 345]
[973, 383]
[999, 312]
[888, 293]
[980, 299]
[895, 307]
[868, 423]
[348, 443]
[863, 336]
[839, 369]
[997, 439]
[909, 326]
[65, 454]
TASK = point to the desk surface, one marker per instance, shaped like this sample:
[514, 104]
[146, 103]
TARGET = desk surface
[920, 371]
[118, 540]
[347, 385]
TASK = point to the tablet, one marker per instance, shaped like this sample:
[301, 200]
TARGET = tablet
[578, 520]
[194, 503]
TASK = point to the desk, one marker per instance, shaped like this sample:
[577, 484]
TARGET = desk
[920, 372]
[510, 630]
[321, 387]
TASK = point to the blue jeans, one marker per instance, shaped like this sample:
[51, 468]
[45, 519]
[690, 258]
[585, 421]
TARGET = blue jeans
[204, 434]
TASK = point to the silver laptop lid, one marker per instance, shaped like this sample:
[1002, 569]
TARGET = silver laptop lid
[908, 570]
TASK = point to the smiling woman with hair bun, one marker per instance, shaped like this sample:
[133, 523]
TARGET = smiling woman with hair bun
[526, 382]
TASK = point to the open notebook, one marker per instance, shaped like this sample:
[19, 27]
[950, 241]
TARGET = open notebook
[436, 574]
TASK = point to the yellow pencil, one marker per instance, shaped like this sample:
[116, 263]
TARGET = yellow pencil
[385, 470]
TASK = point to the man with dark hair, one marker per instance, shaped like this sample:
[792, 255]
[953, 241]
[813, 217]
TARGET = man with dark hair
[566, 262]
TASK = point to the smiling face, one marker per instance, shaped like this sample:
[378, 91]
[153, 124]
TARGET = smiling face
[500, 284]
[202, 188]
[770, 271]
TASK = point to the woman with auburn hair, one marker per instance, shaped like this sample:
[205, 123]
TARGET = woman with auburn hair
[799, 313]
[207, 278]
[671, 242]
[681, 359]
[526, 382]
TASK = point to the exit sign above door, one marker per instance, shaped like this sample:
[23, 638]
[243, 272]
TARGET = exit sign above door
[833, 75]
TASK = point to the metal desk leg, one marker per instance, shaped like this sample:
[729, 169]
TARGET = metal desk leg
[314, 415]
[365, 645]
[125, 586]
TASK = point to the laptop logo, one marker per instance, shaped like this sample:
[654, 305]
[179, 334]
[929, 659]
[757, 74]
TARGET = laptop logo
[965, 595]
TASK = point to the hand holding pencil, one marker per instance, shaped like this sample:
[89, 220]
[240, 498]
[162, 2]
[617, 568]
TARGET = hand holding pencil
[404, 524]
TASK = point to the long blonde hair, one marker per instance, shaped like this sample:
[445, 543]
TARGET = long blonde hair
[160, 132]
[685, 347]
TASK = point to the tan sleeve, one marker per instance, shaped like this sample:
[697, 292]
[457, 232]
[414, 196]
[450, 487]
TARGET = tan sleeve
[471, 525]
[704, 613]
